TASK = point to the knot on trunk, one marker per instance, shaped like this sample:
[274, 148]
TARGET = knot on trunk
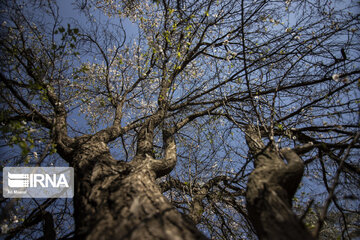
[271, 187]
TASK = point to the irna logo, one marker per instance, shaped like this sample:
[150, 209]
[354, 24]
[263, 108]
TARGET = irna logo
[16, 180]
[38, 182]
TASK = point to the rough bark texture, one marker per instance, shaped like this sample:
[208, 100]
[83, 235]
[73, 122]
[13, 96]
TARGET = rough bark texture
[270, 189]
[117, 200]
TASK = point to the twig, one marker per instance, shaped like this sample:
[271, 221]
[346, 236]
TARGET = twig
[332, 189]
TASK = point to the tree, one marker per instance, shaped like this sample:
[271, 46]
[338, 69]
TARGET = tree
[217, 109]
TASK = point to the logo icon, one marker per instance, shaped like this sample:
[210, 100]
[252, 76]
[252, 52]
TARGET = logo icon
[18, 180]
[38, 182]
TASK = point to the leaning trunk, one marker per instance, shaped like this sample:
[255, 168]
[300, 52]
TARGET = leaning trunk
[270, 190]
[117, 200]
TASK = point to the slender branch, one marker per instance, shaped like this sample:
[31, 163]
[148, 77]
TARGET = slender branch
[332, 188]
[45, 120]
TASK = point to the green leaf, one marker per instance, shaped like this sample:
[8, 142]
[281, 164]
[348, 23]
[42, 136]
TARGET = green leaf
[53, 148]
[23, 144]
[27, 159]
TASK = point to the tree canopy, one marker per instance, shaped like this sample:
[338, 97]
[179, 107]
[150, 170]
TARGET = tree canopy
[247, 114]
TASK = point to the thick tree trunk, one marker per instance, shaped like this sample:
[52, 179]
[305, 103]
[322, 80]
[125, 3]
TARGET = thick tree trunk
[270, 189]
[117, 200]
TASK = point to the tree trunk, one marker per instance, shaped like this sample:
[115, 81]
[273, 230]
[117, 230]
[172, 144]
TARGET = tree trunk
[118, 200]
[270, 189]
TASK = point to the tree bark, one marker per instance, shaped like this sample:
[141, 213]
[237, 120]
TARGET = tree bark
[118, 200]
[270, 189]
